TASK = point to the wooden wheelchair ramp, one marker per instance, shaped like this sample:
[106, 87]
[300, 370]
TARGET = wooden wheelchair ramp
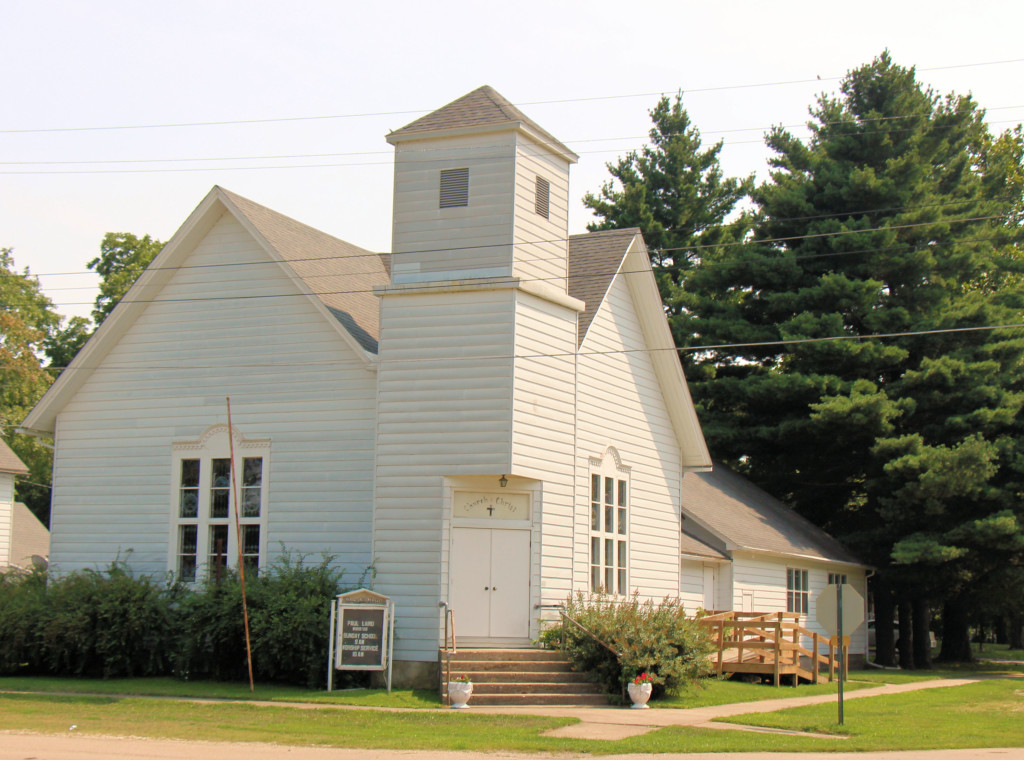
[773, 644]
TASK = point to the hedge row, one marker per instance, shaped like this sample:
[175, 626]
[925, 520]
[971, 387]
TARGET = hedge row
[114, 624]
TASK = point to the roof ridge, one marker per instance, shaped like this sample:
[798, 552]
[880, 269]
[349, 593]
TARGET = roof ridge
[481, 109]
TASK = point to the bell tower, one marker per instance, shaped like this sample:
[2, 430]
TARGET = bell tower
[476, 362]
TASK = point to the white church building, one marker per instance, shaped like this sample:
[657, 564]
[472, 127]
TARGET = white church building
[492, 416]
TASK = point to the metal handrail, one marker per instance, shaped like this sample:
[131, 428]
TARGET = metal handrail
[449, 624]
[565, 616]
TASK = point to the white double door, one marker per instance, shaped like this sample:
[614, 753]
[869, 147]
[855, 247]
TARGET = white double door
[490, 582]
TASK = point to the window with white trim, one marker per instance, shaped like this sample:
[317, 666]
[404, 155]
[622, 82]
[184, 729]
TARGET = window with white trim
[609, 529]
[797, 591]
[204, 539]
[834, 579]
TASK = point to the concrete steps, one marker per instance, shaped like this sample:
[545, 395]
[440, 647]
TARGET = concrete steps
[523, 677]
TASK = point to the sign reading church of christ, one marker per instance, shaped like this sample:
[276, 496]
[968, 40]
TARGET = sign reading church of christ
[494, 506]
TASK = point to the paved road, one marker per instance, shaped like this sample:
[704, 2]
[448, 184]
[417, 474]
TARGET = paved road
[17, 746]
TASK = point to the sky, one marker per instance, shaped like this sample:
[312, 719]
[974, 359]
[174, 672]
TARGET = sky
[120, 115]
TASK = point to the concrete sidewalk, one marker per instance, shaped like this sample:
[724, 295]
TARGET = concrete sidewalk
[613, 723]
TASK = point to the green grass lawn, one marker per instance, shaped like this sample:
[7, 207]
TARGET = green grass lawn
[172, 687]
[984, 714]
[987, 714]
[997, 652]
[715, 692]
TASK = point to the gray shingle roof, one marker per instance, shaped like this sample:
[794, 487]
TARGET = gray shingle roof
[342, 275]
[748, 518]
[483, 107]
[9, 461]
[594, 259]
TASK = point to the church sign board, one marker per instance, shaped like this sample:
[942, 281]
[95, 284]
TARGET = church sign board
[362, 627]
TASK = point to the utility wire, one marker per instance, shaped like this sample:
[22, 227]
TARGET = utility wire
[564, 240]
[280, 157]
[477, 160]
[461, 358]
[716, 88]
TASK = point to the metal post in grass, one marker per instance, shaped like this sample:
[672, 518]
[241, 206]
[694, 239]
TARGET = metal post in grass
[839, 626]
[238, 540]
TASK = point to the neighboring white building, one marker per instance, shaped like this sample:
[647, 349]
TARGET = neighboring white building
[24, 541]
[492, 416]
[744, 550]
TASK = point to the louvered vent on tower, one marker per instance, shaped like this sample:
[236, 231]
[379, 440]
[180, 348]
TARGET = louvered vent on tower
[542, 200]
[454, 188]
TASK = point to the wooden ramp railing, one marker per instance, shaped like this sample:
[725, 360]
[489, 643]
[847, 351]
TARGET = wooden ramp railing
[766, 643]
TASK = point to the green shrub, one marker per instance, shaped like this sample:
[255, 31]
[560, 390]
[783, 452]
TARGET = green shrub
[289, 624]
[112, 624]
[289, 620]
[656, 639]
[23, 608]
[88, 623]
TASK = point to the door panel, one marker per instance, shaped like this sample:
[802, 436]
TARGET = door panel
[490, 582]
[510, 583]
[469, 568]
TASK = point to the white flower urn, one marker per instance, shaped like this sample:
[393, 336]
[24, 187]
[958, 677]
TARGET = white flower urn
[459, 693]
[639, 694]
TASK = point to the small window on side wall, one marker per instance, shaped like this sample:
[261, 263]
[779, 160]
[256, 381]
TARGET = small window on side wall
[542, 202]
[454, 190]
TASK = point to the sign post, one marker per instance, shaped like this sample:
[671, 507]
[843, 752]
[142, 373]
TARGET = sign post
[834, 611]
[362, 634]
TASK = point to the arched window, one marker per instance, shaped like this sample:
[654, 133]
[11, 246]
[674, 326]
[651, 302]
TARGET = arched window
[609, 524]
[204, 540]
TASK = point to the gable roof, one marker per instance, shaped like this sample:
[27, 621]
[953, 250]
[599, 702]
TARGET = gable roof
[337, 277]
[340, 274]
[747, 518]
[594, 260]
[9, 461]
[481, 110]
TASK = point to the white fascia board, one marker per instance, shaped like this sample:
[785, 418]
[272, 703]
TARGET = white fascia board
[796, 556]
[665, 357]
[480, 129]
[42, 418]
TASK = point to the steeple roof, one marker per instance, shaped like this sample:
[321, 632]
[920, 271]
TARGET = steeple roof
[482, 110]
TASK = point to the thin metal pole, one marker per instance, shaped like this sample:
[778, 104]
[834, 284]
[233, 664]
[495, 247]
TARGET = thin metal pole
[842, 658]
[238, 540]
[330, 647]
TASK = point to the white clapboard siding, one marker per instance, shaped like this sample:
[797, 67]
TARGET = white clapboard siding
[765, 578]
[444, 408]
[691, 585]
[620, 404]
[429, 242]
[291, 380]
[6, 516]
[541, 245]
[544, 430]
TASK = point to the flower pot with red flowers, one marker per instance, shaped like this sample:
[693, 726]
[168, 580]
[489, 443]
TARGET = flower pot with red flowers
[640, 691]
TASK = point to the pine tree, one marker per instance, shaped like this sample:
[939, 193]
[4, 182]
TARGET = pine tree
[901, 215]
[674, 190]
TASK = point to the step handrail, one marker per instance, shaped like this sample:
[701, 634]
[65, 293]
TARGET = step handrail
[566, 616]
[448, 650]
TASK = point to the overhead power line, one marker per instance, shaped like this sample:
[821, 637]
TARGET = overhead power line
[563, 240]
[368, 114]
[150, 366]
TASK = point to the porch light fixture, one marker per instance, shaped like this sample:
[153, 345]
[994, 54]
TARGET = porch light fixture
[503, 481]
